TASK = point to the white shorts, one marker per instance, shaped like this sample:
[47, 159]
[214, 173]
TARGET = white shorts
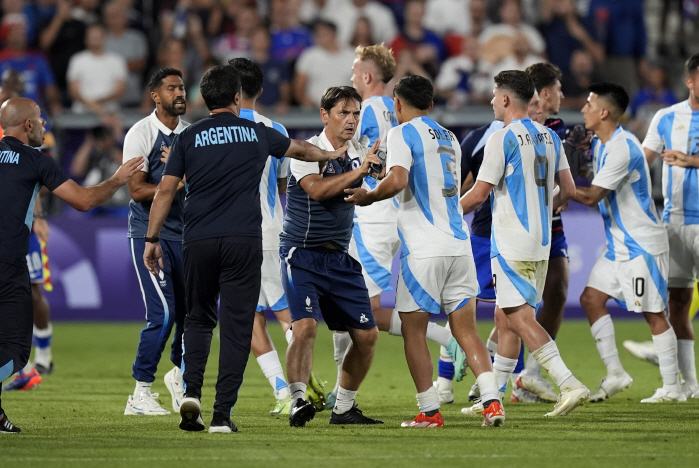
[272, 292]
[518, 282]
[684, 255]
[640, 284]
[434, 283]
[374, 245]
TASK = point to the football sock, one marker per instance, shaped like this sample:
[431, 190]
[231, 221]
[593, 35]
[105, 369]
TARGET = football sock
[428, 401]
[488, 385]
[341, 342]
[27, 368]
[142, 387]
[345, 400]
[685, 359]
[503, 368]
[445, 374]
[492, 348]
[519, 367]
[42, 344]
[532, 366]
[394, 327]
[666, 346]
[297, 391]
[272, 368]
[288, 334]
[550, 359]
[438, 334]
[603, 333]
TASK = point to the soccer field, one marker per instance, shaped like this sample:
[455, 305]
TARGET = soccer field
[75, 418]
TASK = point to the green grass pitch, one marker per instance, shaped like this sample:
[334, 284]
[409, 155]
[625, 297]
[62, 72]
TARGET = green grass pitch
[75, 418]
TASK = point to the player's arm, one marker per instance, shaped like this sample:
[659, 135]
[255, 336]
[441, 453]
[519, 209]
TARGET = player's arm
[162, 202]
[591, 195]
[678, 158]
[650, 155]
[391, 185]
[476, 196]
[565, 189]
[305, 151]
[320, 188]
[40, 226]
[87, 198]
[468, 183]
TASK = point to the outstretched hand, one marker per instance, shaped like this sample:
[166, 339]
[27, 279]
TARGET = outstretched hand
[127, 170]
[358, 196]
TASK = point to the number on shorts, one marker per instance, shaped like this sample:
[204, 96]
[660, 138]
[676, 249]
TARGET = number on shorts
[449, 168]
[494, 281]
[639, 286]
[34, 262]
[542, 182]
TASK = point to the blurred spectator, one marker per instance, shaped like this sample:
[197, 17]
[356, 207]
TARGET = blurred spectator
[445, 16]
[345, 13]
[96, 78]
[195, 102]
[190, 49]
[63, 35]
[128, 43]
[277, 80]
[664, 49]
[620, 26]
[12, 86]
[511, 25]
[324, 65]
[478, 11]
[520, 58]
[13, 14]
[289, 37]
[655, 94]
[39, 83]
[564, 33]
[363, 35]
[406, 64]
[172, 53]
[238, 44]
[454, 80]
[310, 10]
[426, 47]
[577, 79]
[38, 13]
[96, 160]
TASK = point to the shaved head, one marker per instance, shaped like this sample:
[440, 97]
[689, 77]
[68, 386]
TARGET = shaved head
[21, 118]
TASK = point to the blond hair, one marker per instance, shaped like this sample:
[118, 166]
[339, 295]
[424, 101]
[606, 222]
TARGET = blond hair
[382, 58]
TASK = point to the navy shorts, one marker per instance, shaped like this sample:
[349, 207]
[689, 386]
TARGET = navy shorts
[481, 255]
[559, 246]
[328, 283]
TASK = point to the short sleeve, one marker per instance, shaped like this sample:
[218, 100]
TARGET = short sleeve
[175, 165]
[121, 70]
[278, 143]
[561, 157]
[493, 166]
[283, 168]
[398, 150]
[614, 169]
[50, 173]
[369, 127]
[653, 141]
[135, 146]
[304, 63]
[301, 169]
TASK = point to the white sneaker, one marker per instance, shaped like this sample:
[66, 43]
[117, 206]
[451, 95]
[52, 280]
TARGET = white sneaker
[690, 390]
[145, 405]
[538, 385]
[610, 386]
[644, 350]
[474, 393]
[568, 400]
[173, 382]
[446, 397]
[475, 410]
[663, 394]
[520, 395]
[190, 415]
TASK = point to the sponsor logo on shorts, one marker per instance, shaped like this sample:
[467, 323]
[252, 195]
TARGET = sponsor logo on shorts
[363, 319]
[162, 281]
[309, 308]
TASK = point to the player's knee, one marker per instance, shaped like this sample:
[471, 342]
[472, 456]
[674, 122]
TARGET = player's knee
[681, 296]
[365, 340]
[305, 330]
[588, 299]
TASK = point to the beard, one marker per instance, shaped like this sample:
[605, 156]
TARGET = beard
[172, 110]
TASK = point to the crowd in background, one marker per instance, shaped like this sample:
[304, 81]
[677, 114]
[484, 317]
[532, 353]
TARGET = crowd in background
[96, 56]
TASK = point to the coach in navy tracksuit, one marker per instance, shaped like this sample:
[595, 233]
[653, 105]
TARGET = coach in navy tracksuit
[23, 170]
[223, 157]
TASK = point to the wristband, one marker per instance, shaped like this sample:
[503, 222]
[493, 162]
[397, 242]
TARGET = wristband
[153, 240]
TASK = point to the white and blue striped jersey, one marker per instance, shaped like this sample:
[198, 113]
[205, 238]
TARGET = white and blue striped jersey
[631, 222]
[272, 214]
[430, 218]
[377, 117]
[521, 161]
[677, 128]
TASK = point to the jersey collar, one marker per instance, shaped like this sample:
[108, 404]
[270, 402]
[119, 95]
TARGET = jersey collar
[161, 126]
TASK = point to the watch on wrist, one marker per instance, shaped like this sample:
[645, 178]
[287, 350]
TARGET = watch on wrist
[152, 239]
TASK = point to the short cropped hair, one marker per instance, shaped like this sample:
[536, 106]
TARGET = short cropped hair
[544, 75]
[690, 66]
[219, 86]
[323, 22]
[156, 79]
[382, 58]
[518, 83]
[251, 76]
[417, 91]
[337, 94]
[612, 93]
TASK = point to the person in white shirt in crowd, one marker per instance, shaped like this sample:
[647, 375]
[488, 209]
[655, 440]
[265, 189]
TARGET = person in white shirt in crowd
[345, 13]
[444, 16]
[511, 25]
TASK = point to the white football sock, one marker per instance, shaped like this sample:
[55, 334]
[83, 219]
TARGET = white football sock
[297, 391]
[492, 347]
[685, 359]
[438, 334]
[341, 342]
[550, 359]
[142, 387]
[603, 333]
[345, 400]
[666, 346]
[272, 368]
[502, 367]
[288, 334]
[394, 327]
[532, 366]
[488, 385]
[27, 368]
[42, 345]
[428, 400]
